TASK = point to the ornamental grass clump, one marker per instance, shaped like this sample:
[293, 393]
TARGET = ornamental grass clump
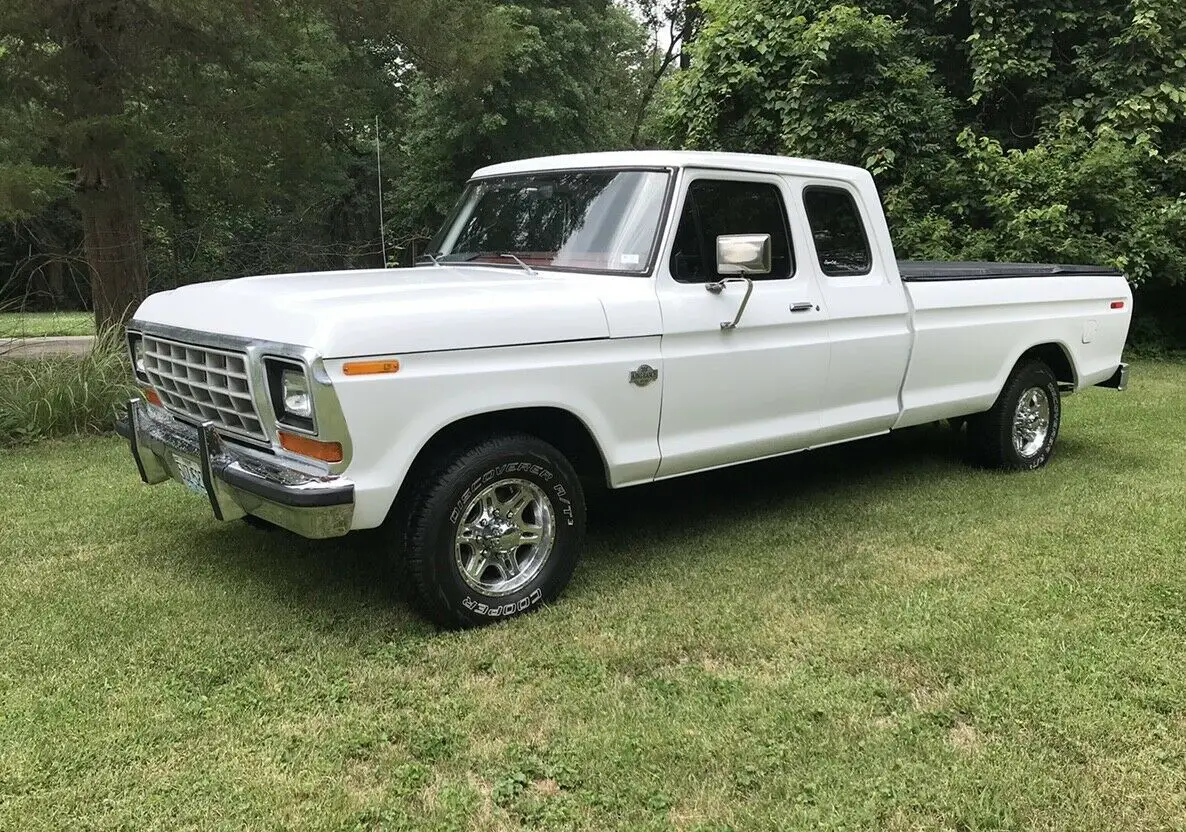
[62, 395]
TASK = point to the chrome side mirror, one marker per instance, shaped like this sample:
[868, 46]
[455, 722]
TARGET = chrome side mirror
[743, 254]
[740, 254]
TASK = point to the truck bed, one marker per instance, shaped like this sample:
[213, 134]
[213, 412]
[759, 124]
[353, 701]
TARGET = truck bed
[917, 271]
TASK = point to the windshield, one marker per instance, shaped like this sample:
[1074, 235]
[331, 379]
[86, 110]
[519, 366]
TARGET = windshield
[591, 220]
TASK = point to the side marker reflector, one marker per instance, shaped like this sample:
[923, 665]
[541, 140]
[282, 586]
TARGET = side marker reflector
[1117, 304]
[370, 368]
[152, 397]
[313, 448]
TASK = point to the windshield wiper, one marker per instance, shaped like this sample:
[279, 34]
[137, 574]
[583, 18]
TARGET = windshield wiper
[435, 260]
[526, 267]
[480, 254]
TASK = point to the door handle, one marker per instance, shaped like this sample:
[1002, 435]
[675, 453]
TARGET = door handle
[804, 306]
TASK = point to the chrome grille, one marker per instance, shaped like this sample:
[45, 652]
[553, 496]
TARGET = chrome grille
[204, 384]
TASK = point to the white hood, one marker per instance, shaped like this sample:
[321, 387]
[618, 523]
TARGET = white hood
[384, 311]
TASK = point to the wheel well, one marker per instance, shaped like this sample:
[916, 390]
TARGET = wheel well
[1055, 357]
[558, 427]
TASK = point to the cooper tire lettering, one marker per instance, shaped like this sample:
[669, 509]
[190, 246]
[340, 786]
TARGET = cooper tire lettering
[500, 611]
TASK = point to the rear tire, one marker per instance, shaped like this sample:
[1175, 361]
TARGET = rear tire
[1019, 431]
[494, 532]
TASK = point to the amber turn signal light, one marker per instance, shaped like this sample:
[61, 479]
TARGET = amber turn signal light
[152, 397]
[313, 448]
[370, 368]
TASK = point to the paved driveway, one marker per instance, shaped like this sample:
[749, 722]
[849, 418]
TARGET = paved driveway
[38, 347]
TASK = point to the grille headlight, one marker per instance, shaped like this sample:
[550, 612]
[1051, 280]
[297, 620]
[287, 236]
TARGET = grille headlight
[291, 393]
[136, 351]
[294, 392]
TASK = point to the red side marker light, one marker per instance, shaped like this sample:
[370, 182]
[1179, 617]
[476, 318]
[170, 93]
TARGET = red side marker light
[1117, 304]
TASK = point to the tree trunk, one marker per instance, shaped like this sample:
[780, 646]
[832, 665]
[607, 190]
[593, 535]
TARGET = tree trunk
[111, 237]
[55, 281]
[101, 35]
[691, 22]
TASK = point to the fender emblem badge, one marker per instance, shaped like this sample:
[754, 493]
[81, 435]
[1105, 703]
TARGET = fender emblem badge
[644, 375]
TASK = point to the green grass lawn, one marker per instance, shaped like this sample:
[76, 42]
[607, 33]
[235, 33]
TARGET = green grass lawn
[866, 637]
[35, 324]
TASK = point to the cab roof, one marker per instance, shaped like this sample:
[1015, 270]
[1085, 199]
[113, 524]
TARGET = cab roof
[748, 162]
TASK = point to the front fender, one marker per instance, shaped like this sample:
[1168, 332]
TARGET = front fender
[392, 417]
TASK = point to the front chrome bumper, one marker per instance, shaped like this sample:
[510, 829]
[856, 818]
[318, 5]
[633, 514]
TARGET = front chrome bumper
[236, 481]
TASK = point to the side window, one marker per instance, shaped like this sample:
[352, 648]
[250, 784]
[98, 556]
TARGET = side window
[714, 207]
[836, 228]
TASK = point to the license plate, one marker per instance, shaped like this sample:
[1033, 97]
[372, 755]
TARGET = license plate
[191, 474]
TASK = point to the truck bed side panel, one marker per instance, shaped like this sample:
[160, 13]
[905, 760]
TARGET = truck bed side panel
[969, 333]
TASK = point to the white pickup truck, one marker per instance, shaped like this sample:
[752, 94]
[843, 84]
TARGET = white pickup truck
[605, 319]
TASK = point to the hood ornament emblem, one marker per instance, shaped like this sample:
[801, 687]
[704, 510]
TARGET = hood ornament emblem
[644, 375]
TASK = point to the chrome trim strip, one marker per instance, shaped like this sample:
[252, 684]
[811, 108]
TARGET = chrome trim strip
[511, 345]
[300, 365]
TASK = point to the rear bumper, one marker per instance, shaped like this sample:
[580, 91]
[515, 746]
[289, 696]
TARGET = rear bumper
[236, 481]
[1118, 380]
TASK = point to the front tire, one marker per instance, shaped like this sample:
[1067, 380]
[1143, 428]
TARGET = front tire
[1019, 432]
[495, 532]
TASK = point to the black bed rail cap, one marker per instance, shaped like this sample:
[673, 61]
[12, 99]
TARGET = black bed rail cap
[985, 270]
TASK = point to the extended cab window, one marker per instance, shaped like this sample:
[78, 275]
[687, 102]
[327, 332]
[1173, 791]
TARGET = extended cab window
[714, 207]
[836, 228]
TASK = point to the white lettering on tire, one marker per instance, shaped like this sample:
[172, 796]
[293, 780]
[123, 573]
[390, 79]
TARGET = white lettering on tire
[503, 610]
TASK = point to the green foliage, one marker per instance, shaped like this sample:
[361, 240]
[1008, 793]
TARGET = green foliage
[27, 189]
[564, 85]
[249, 129]
[1076, 196]
[842, 85]
[278, 185]
[66, 394]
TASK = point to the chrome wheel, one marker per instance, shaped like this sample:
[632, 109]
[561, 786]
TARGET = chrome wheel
[505, 536]
[1031, 421]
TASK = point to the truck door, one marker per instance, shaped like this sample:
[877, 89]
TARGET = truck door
[753, 390]
[868, 313]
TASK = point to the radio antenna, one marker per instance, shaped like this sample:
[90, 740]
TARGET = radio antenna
[379, 177]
